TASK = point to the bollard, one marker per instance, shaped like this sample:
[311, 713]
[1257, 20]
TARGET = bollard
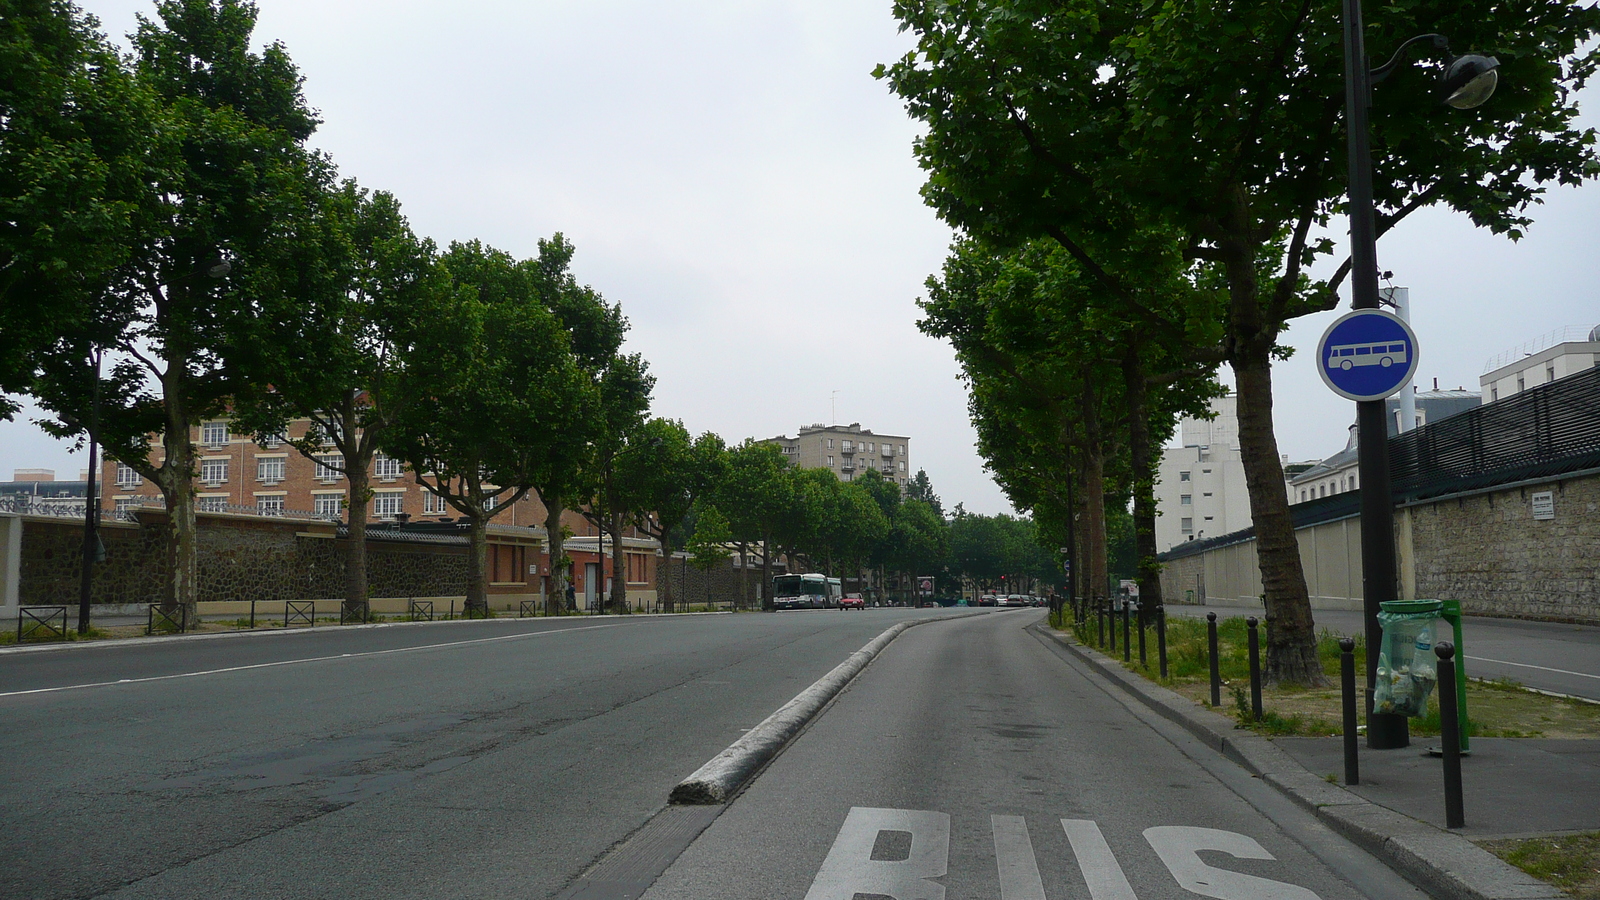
[1100, 619]
[1347, 686]
[252, 615]
[1255, 668]
[1450, 736]
[1143, 663]
[1127, 645]
[1216, 673]
[1161, 637]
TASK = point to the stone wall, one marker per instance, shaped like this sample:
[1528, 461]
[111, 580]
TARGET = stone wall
[1488, 551]
[240, 558]
[1483, 549]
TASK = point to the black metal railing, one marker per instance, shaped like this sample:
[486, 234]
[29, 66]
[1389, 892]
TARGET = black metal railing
[50, 620]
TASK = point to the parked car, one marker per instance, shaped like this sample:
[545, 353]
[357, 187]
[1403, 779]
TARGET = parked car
[1016, 600]
[852, 601]
[987, 600]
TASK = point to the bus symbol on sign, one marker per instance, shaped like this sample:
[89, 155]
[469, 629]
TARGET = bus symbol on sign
[1367, 354]
[1348, 356]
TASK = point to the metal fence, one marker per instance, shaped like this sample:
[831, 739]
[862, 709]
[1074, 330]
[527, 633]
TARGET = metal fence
[1546, 431]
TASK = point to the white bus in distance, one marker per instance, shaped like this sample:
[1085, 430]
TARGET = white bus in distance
[812, 590]
[1348, 356]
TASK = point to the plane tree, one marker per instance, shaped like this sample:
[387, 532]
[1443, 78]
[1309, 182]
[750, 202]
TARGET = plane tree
[482, 394]
[1054, 121]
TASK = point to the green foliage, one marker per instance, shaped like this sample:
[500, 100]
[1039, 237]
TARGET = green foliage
[708, 547]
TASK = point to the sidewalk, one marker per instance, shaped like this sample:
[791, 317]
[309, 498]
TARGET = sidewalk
[1511, 787]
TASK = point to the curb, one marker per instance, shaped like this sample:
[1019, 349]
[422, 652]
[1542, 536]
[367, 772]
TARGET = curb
[1443, 863]
[147, 640]
[720, 778]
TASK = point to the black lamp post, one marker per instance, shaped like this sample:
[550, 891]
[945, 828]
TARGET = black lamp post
[1468, 82]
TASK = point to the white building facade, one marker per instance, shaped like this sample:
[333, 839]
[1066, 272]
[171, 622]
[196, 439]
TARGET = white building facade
[1200, 486]
[1563, 352]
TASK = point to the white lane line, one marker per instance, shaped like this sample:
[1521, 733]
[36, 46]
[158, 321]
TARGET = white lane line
[1501, 662]
[1013, 853]
[309, 659]
[1101, 873]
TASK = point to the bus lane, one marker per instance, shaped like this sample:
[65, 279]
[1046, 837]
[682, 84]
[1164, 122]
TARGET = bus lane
[972, 760]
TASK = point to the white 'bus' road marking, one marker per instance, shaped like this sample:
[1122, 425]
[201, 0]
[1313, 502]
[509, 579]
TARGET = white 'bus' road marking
[1100, 869]
[1501, 662]
[1013, 853]
[309, 659]
[850, 869]
[1179, 847]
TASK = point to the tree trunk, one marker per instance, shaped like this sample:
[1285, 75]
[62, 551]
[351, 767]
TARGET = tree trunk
[177, 489]
[619, 579]
[1142, 452]
[357, 467]
[766, 572]
[478, 564]
[556, 542]
[1291, 633]
[744, 574]
[1096, 573]
[664, 571]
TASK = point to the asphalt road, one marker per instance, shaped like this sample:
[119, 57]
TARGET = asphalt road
[1564, 659]
[975, 759]
[467, 759]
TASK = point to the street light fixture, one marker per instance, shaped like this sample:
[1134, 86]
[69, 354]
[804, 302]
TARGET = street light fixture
[1468, 82]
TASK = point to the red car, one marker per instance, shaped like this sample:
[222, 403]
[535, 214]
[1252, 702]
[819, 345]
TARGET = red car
[852, 601]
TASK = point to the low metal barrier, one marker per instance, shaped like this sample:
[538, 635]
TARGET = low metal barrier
[33, 619]
[361, 614]
[176, 620]
[420, 610]
[295, 611]
[528, 608]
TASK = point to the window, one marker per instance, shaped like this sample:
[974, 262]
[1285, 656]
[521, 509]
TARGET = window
[327, 505]
[127, 477]
[1494, 391]
[638, 568]
[1352, 482]
[432, 504]
[830, 460]
[1186, 499]
[274, 441]
[871, 446]
[830, 443]
[386, 504]
[329, 431]
[214, 434]
[1205, 471]
[385, 467]
[1209, 518]
[1550, 372]
[902, 465]
[328, 466]
[902, 449]
[1520, 385]
[211, 502]
[848, 446]
[126, 503]
[270, 505]
[1206, 494]
[1302, 496]
[490, 502]
[1184, 476]
[1186, 526]
[213, 471]
[270, 469]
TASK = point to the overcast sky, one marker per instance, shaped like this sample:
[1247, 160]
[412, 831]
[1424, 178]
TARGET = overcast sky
[731, 174]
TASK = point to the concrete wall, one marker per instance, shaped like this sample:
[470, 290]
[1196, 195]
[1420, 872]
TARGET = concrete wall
[1483, 549]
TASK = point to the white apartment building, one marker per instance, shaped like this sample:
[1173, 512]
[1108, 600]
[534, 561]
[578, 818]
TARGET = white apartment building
[1542, 360]
[1200, 486]
[848, 451]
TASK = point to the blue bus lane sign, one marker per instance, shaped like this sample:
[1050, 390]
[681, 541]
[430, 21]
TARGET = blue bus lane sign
[1368, 354]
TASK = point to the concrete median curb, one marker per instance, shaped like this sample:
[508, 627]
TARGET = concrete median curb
[720, 778]
[1443, 863]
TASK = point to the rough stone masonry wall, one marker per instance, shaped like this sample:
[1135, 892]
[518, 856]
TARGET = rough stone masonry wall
[240, 559]
[1488, 552]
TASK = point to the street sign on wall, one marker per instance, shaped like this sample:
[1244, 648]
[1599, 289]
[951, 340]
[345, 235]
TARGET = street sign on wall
[1367, 354]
